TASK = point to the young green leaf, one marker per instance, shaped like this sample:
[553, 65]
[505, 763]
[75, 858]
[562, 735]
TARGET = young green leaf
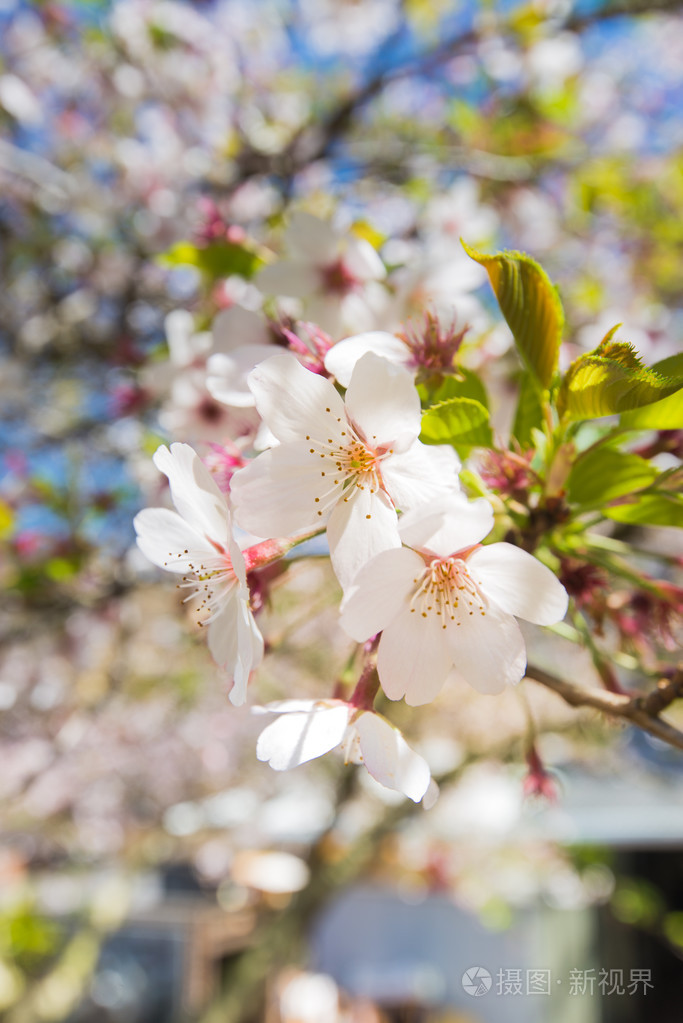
[666, 414]
[609, 380]
[219, 259]
[467, 384]
[602, 474]
[530, 304]
[459, 421]
[651, 509]
[529, 411]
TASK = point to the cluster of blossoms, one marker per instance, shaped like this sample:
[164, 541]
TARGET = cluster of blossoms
[335, 450]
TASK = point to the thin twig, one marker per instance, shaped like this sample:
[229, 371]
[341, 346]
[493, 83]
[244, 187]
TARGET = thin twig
[315, 140]
[639, 710]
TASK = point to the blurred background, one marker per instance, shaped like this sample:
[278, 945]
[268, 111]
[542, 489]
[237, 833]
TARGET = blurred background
[151, 152]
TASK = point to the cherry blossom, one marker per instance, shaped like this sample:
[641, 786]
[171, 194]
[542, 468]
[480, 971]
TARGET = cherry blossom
[446, 605]
[459, 213]
[186, 345]
[197, 542]
[190, 410]
[332, 272]
[344, 464]
[306, 729]
[241, 340]
[341, 359]
[193, 413]
[425, 351]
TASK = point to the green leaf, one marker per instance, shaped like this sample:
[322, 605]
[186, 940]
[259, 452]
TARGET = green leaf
[666, 414]
[219, 259]
[529, 411]
[466, 385]
[473, 483]
[651, 509]
[671, 367]
[459, 421]
[530, 304]
[602, 474]
[609, 380]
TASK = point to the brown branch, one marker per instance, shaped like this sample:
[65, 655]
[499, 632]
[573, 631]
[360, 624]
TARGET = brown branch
[314, 141]
[639, 710]
[339, 120]
[621, 9]
[668, 690]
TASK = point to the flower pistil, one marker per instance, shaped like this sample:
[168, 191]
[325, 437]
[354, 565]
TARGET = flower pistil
[448, 590]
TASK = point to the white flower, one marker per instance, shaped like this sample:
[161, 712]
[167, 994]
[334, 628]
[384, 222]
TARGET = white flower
[196, 541]
[445, 605]
[307, 729]
[332, 272]
[192, 412]
[186, 346]
[457, 214]
[341, 359]
[241, 341]
[345, 464]
[425, 349]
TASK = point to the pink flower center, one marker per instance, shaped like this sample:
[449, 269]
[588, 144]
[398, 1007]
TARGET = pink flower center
[338, 279]
[347, 461]
[210, 411]
[210, 580]
[447, 591]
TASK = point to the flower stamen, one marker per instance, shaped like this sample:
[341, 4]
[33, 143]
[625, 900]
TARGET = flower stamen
[447, 590]
[210, 580]
[354, 463]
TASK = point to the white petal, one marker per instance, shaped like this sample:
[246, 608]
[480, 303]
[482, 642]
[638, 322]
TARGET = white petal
[295, 738]
[194, 492]
[249, 652]
[184, 343]
[389, 758]
[382, 402]
[449, 276]
[361, 525]
[222, 634]
[519, 583]
[226, 378]
[236, 643]
[286, 706]
[363, 260]
[431, 795]
[275, 495]
[294, 402]
[342, 357]
[288, 277]
[488, 650]
[413, 658]
[380, 591]
[236, 557]
[421, 474]
[310, 238]
[447, 525]
[328, 311]
[236, 327]
[167, 539]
